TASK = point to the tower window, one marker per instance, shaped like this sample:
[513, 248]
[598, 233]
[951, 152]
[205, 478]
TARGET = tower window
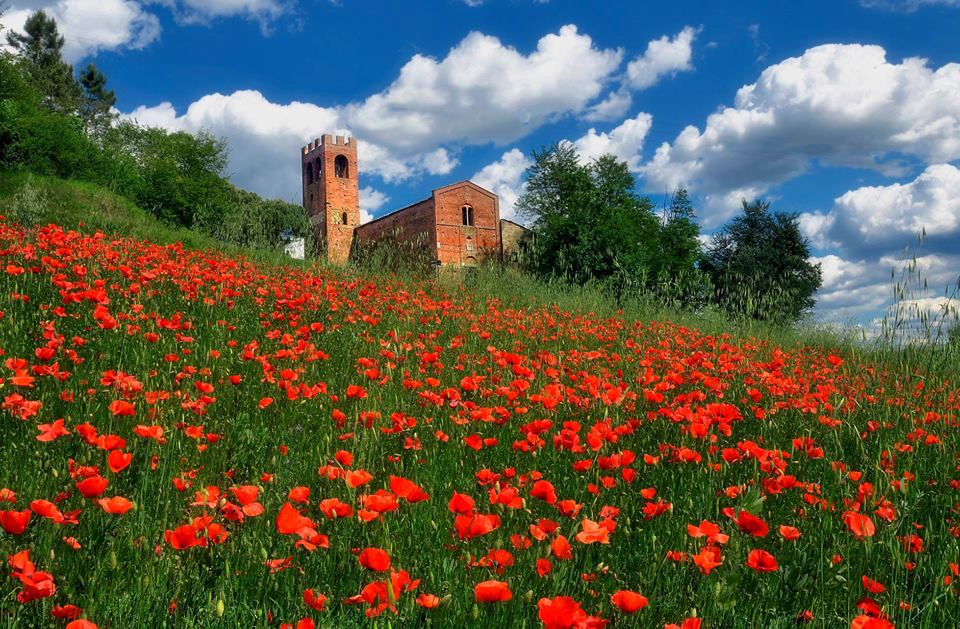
[308, 172]
[344, 218]
[341, 167]
[466, 215]
[318, 167]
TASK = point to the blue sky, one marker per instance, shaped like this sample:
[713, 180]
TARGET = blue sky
[847, 112]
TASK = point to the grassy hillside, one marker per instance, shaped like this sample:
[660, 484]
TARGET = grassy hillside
[37, 199]
[32, 199]
[191, 439]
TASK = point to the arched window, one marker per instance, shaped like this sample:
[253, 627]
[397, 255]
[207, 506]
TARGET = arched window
[308, 173]
[343, 219]
[318, 167]
[341, 167]
[466, 215]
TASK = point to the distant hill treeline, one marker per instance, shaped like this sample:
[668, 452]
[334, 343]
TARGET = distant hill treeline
[55, 121]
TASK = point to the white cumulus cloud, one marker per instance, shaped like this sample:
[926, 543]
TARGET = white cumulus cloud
[625, 142]
[885, 218]
[838, 104]
[204, 11]
[484, 91]
[263, 137]
[663, 57]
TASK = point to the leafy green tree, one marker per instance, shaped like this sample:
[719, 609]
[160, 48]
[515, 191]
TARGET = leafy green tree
[96, 109]
[589, 223]
[180, 175]
[40, 46]
[759, 265]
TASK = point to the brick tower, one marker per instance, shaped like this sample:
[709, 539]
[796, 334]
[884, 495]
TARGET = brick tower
[331, 194]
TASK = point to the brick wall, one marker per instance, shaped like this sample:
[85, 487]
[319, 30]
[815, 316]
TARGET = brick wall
[458, 244]
[413, 224]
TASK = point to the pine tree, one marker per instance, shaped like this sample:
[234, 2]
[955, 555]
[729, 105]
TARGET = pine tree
[40, 47]
[98, 101]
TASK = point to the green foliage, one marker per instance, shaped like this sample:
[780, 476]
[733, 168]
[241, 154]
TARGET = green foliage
[589, 222]
[760, 268]
[28, 205]
[590, 225]
[247, 220]
[180, 174]
[177, 177]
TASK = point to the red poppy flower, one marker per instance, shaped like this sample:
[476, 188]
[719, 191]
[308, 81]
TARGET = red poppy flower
[118, 505]
[872, 586]
[355, 392]
[560, 612]
[121, 408]
[859, 524]
[51, 432]
[708, 559]
[314, 600]
[375, 559]
[92, 487]
[461, 503]
[471, 526]
[357, 478]
[593, 533]
[789, 533]
[492, 592]
[66, 612]
[15, 522]
[560, 548]
[751, 524]
[290, 521]
[407, 489]
[183, 537]
[628, 601]
[118, 460]
[543, 567]
[870, 622]
[762, 561]
[428, 601]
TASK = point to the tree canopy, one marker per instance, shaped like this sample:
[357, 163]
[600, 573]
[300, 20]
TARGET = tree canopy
[759, 265]
[588, 220]
[590, 224]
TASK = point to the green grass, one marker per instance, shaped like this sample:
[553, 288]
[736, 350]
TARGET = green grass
[88, 207]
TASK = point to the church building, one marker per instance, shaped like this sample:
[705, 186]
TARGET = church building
[459, 223]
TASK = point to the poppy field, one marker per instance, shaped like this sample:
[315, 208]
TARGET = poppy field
[189, 439]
